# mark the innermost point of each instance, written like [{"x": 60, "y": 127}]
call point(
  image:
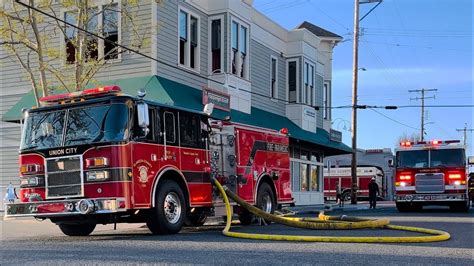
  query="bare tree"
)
[
  {"x": 408, "y": 137},
  {"x": 31, "y": 39}
]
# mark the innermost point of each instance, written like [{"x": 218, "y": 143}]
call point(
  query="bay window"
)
[
  {"x": 292, "y": 81},
  {"x": 273, "y": 77},
  {"x": 216, "y": 52},
  {"x": 308, "y": 95},
  {"x": 239, "y": 58}
]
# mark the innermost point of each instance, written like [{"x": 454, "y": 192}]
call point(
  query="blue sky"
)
[{"x": 406, "y": 45}]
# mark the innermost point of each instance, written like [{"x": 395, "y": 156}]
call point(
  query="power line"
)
[
  {"x": 328, "y": 16},
  {"x": 416, "y": 46},
  {"x": 150, "y": 57},
  {"x": 217, "y": 81},
  {"x": 419, "y": 30},
  {"x": 396, "y": 121}
]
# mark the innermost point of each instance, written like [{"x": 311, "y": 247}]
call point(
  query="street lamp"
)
[{"x": 344, "y": 123}]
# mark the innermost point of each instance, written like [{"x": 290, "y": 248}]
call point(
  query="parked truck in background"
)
[
  {"x": 431, "y": 173},
  {"x": 342, "y": 175}
]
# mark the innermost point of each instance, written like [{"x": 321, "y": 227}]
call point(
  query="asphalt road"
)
[{"x": 31, "y": 242}]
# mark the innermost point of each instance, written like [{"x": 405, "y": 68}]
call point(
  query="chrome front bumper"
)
[
  {"x": 65, "y": 207},
  {"x": 430, "y": 197}
]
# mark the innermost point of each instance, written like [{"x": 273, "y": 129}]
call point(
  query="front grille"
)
[
  {"x": 429, "y": 183},
  {"x": 64, "y": 177}
]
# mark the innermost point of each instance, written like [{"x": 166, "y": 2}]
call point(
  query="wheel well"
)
[
  {"x": 175, "y": 177},
  {"x": 269, "y": 181},
  {"x": 347, "y": 190}
]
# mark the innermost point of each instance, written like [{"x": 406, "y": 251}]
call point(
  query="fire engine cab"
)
[
  {"x": 99, "y": 157},
  {"x": 431, "y": 173}
]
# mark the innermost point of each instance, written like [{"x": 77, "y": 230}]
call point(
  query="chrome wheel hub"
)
[
  {"x": 172, "y": 207},
  {"x": 266, "y": 204}
]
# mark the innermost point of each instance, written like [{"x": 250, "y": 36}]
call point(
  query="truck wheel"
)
[
  {"x": 266, "y": 199},
  {"x": 245, "y": 217},
  {"x": 402, "y": 206},
  {"x": 460, "y": 207},
  {"x": 77, "y": 229},
  {"x": 168, "y": 215},
  {"x": 346, "y": 196}
]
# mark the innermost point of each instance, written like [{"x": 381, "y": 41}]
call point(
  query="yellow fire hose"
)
[{"x": 326, "y": 222}]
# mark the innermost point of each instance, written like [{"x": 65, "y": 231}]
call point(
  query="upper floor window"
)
[
  {"x": 326, "y": 100},
  {"x": 103, "y": 20},
  {"x": 308, "y": 91},
  {"x": 188, "y": 39},
  {"x": 292, "y": 86},
  {"x": 216, "y": 46},
  {"x": 273, "y": 77},
  {"x": 239, "y": 43}
]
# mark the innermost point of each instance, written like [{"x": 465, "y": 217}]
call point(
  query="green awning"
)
[
  {"x": 172, "y": 93},
  {"x": 261, "y": 118}
]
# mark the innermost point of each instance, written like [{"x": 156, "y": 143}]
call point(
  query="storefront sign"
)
[
  {"x": 335, "y": 135},
  {"x": 310, "y": 113},
  {"x": 220, "y": 100}
]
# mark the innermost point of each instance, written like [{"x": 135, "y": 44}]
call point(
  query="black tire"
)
[
  {"x": 195, "y": 219},
  {"x": 77, "y": 229},
  {"x": 266, "y": 199},
  {"x": 170, "y": 209},
  {"x": 246, "y": 217},
  {"x": 460, "y": 207},
  {"x": 403, "y": 207},
  {"x": 346, "y": 196}
]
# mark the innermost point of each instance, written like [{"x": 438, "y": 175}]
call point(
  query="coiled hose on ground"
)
[{"x": 325, "y": 222}]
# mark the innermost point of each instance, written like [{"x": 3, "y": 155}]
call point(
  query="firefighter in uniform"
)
[{"x": 373, "y": 192}]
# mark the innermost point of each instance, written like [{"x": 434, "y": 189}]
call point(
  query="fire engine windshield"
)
[
  {"x": 431, "y": 158},
  {"x": 75, "y": 126}
]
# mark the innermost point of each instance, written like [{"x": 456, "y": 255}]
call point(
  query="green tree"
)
[{"x": 31, "y": 39}]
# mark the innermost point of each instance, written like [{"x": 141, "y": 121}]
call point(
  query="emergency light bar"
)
[
  {"x": 433, "y": 142},
  {"x": 85, "y": 93}
]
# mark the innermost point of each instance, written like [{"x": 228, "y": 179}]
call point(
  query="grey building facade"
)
[{"x": 226, "y": 45}]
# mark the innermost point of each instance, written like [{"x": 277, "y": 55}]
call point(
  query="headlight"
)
[{"x": 97, "y": 175}]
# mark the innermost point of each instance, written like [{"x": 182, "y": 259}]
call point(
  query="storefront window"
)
[
  {"x": 314, "y": 178},
  {"x": 295, "y": 176},
  {"x": 304, "y": 176},
  {"x": 304, "y": 155}
]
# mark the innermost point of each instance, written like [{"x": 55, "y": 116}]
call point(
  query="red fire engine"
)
[
  {"x": 343, "y": 176},
  {"x": 431, "y": 173},
  {"x": 99, "y": 157}
]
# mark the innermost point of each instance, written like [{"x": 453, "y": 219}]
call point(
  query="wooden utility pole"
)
[
  {"x": 354, "y": 103},
  {"x": 422, "y": 98},
  {"x": 465, "y": 129}
]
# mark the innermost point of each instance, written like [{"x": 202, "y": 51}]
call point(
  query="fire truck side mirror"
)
[
  {"x": 470, "y": 160},
  {"x": 143, "y": 119}
]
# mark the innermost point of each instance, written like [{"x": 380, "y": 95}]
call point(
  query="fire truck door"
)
[{"x": 146, "y": 154}]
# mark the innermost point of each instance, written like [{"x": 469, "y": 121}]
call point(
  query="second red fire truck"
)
[
  {"x": 431, "y": 173},
  {"x": 100, "y": 157}
]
